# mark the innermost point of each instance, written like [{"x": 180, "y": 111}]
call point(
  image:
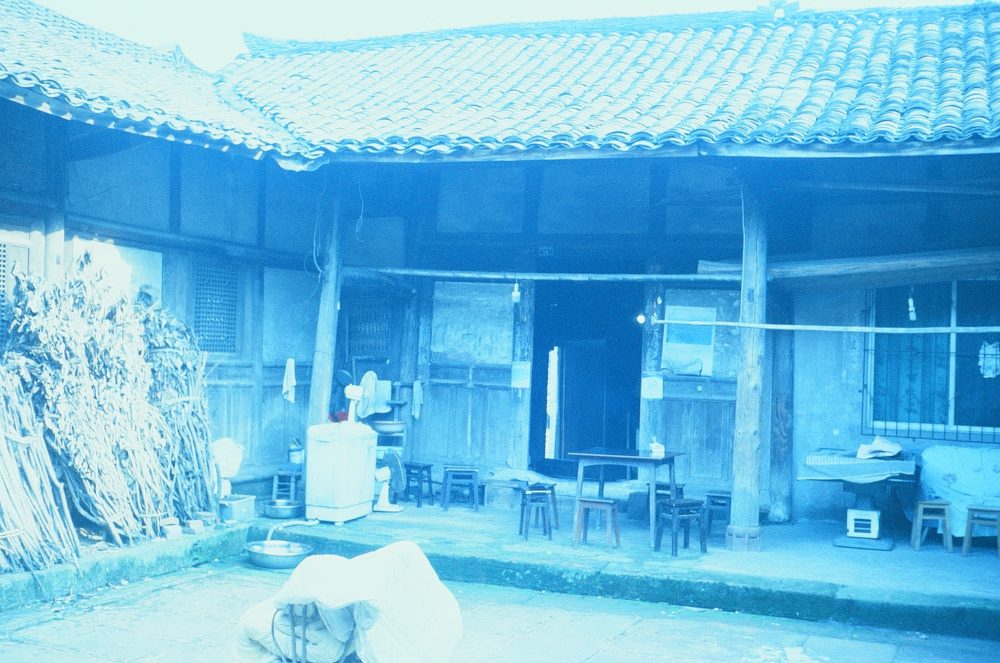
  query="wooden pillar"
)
[
  {"x": 743, "y": 532},
  {"x": 321, "y": 380},
  {"x": 651, "y": 404},
  {"x": 421, "y": 447},
  {"x": 524, "y": 344},
  {"x": 411, "y": 340},
  {"x": 782, "y": 360}
]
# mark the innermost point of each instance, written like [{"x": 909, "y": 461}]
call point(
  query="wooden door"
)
[
  {"x": 470, "y": 414},
  {"x": 701, "y": 424}
]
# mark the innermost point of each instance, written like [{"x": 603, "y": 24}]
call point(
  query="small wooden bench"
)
[
  {"x": 418, "y": 474},
  {"x": 934, "y": 510},
  {"x": 584, "y": 505},
  {"x": 984, "y": 516},
  {"x": 456, "y": 476},
  {"x": 678, "y": 514}
]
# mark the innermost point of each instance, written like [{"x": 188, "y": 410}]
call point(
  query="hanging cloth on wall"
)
[
  {"x": 418, "y": 399},
  {"x": 288, "y": 382},
  {"x": 989, "y": 360}
]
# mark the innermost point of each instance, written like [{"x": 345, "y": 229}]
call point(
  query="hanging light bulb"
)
[
  {"x": 515, "y": 294},
  {"x": 911, "y": 309}
]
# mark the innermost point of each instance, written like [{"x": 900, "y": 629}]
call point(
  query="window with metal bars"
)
[
  {"x": 216, "y": 307},
  {"x": 935, "y": 386},
  {"x": 369, "y": 328}
]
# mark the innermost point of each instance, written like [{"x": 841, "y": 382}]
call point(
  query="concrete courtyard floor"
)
[
  {"x": 798, "y": 572},
  {"x": 192, "y": 616}
]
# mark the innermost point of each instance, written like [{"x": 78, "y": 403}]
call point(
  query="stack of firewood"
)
[
  {"x": 36, "y": 530},
  {"x": 115, "y": 389}
]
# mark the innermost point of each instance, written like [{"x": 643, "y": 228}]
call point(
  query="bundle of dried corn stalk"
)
[
  {"x": 36, "y": 530},
  {"x": 178, "y": 390},
  {"x": 82, "y": 344}
]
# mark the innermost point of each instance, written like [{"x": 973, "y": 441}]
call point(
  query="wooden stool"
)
[
  {"x": 663, "y": 491},
  {"x": 550, "y": 488},
  {"x": 681, "y": 513},
  {"x": 985, "y": 516},
  {"x": 416, "y": 475},
  {"x": 720, "y": 501},
  {"x": 284, "y": 485},
  {"x": 537, "y": 502},
  {"x": 456, "y": 476},
  {"x": 584, "y": 505},
  {"x": 931, "y": 510}
]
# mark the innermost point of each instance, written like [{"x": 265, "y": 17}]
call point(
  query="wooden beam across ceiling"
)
[
  {"x": 870, "y": 271},
  {"x": 724, "y": 280},
  {"x": 973, "y": 189}
]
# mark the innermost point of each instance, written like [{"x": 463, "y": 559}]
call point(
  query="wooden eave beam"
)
[
  {"x": 978, "y": 190},
  {"x": 899, "y": 269},
  {"x": 362, "y": 277},
  {"x": 724, "y": 280}
]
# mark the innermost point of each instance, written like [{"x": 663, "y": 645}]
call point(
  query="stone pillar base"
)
[{"x": 743, "y": 539}]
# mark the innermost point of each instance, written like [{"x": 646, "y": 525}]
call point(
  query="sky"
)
[{"x": 210, "y": 31}]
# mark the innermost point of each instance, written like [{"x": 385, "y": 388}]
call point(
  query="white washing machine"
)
[{"x": 340, "y": 471}]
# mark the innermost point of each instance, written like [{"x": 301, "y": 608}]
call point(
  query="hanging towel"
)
[
  {"x": 418, "y": 399},
  {"x": 288, "y": 383}
]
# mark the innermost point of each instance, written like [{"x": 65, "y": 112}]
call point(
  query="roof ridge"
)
[
  {"x": 262, "y": 46},
  {"x": 34, "y": 12}
]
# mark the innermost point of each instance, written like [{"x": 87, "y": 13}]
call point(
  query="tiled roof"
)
[
  {"x": 819, "y": 79},
  {"x": 70, "y": 69},
  {"x": 814, "y": 80}
]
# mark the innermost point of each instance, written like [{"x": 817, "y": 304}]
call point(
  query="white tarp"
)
[
  {"x": 964, "y": 476},
  {"x": 400, "y": 610}
]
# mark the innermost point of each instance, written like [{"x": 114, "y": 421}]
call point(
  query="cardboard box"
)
[{"x": 237, "y": 507}]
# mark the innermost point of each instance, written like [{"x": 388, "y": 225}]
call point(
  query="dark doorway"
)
[{"x": 598, "y": 370}]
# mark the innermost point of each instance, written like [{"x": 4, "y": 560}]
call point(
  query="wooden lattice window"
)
[
  {"x": 216, "y": 307},
  {"x": 5, "y": 276},
  {"x": 11, "y": 256},
  {"x": 369, "y": 328}
]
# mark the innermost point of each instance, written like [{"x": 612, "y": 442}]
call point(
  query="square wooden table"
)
[{"x": 642, "y": 460}]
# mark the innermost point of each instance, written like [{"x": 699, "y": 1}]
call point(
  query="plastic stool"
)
[
  {"x": 682, "y": 513},
  {"x": 416, "y": 475},
  {"x": 985, "y": 516},
  {"x": 584, "y": 505},
  {"x": 938, "y": 510},
  {"x": 455, "y": 476},
  {"x": 535, "y": 502}
]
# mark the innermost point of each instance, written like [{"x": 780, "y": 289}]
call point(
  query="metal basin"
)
[
  {"x": 283, "y": 508},
  {"x": 277, "y": 554},
  {"x": 388, "y": 427}
]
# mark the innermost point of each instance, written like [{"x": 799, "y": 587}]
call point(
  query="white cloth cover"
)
[
  {"x": 401, "y": 611},
  {"x": 255, "y": 643},
  {"x": 288, "y": 382},
  {"x": 417, "y": 398},
  {"x": 228, "y": 455},
  {"x": 964, "y": 476}
]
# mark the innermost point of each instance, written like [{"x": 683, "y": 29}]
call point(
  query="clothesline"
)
[{"x": 859, "y": 329}]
